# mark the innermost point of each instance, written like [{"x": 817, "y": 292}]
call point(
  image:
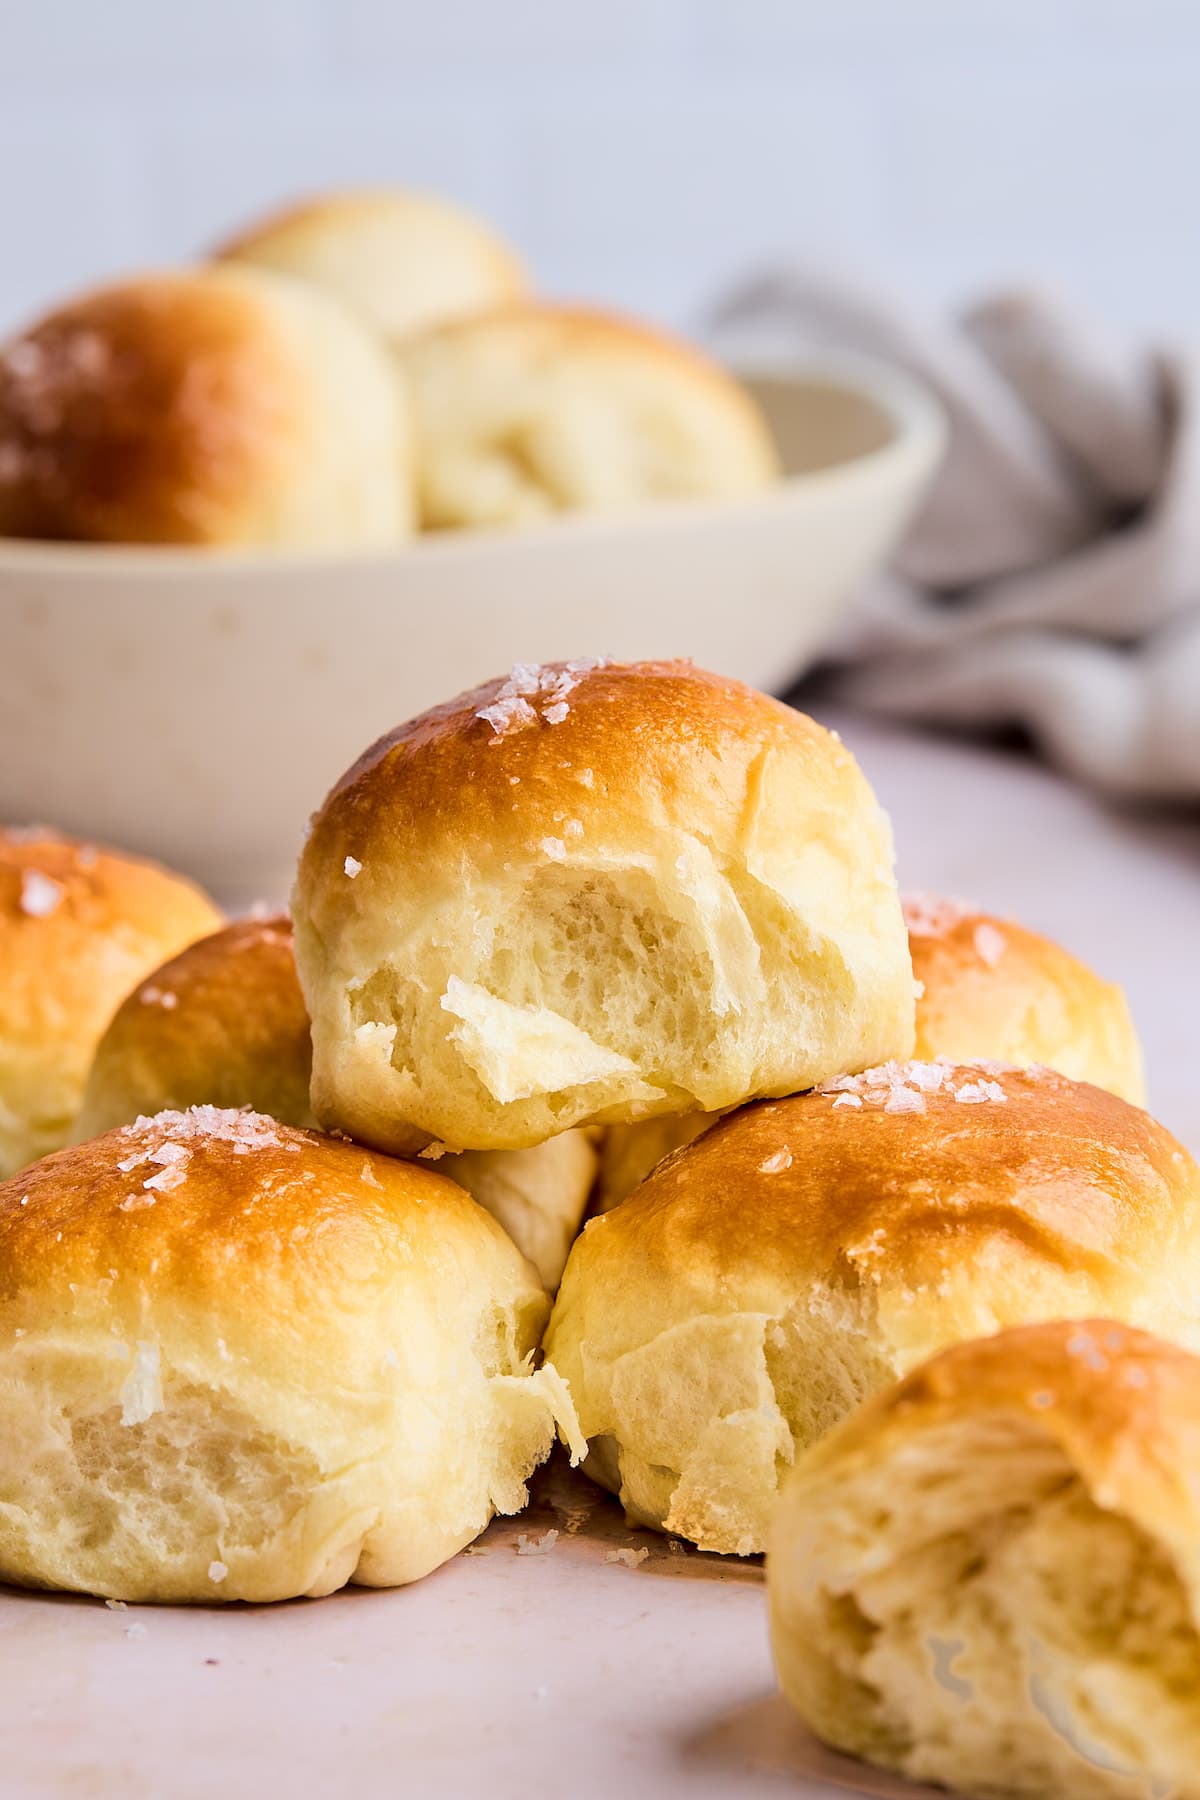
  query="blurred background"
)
[{"x": 640, "y": 151}]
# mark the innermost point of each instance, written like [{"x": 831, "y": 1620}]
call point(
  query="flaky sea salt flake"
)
[
  {"x": 508, "y": 714},
  {"x": 904, "y": 1100},
  {"x": 629, "y": 1559},
  {"x": 40, "y": 894},
  {"x": 990, "y": 944},
  {"x": 978, "y": 1093},
  {"x": 141, "y": 1395},
  {"x": 929, "y": 1077}
]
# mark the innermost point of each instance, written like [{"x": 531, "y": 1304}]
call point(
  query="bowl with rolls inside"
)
[
  {"x": 254, "y": 510},
  {"x": 600, "y": 1152}
]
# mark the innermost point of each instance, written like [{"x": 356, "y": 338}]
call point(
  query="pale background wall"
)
[{"x": 640, "y": 150}]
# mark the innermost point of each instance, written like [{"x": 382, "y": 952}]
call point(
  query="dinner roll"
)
[
  {"x": 594, "y": 892},
  {"x": 988, "y": 987},
  {"x": 534, "y": 410},
  {"x": 803, "y": 1253},
  {"x": 989, "y": 1576},
  {"x": 242, "y": 1362},
  {"x": 224, "y": 1024},
  {"x": 403, "y": 261},
  {"x": 78, "y": 927},
  {"x": 220, "y": 406},
  {"x": 985, "y": 988}
]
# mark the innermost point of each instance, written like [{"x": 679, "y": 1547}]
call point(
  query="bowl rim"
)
[{"x": 918, "y": 430}]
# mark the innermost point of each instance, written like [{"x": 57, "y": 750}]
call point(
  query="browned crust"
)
[{"x": 142, "y": 413}]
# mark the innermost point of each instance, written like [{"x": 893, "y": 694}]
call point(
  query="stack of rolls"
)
[
  {"x": 581, "y": 893},
  {"x": 343, "y": 373},
  {"x": 881, "y": 1309}
]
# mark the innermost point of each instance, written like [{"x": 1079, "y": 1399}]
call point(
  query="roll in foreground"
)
[
  {"x": 594, "y": 892},
  {"x": 989, "y": 1577},
  {"x": 240, "y": 1362},
  {"x": 803, "y": 1253}
]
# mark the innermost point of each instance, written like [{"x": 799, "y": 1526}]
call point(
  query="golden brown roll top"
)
[
  {"x": 989, "y": 1576},
  {"x": 213, "y": 407},
  {"x": 594, "y": 892},
  {"x": 79, "y": 926},
  {"x": 224, "y": 1024},
  {"x": 804, "y": 1252},
  {"x": 404, "y": 262},
  {"x": 533, "y": 410},
  {"x": 243, "y": 1362},
  {"x": 990, "y": 987}
]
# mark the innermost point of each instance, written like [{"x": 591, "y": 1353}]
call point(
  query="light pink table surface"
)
[{"x": 563, "y": 1673}]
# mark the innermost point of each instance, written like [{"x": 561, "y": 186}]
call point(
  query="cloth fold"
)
[{"x": 1052, "y": 580}]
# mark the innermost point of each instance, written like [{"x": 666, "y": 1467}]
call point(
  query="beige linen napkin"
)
[{"x": 1052, "y": 580}]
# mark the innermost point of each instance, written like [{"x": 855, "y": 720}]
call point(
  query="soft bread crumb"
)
[
  {"x": 531, "y": 1546},
  {"x": 548, "y": 1387},
  {"x": 517, "y": 1051}
]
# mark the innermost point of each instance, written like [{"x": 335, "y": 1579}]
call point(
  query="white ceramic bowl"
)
[{"x": 198, "y": 706}]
